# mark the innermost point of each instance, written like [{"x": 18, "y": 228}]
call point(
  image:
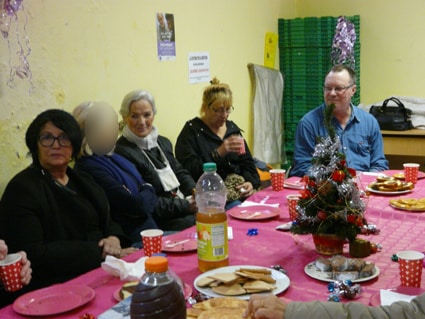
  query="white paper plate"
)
[
  {"x": 311, "y": 270},
  {"x": 294, "y": 185},
  {"x": 282, "y": 281},
  {"x": 388, "y": 193}
]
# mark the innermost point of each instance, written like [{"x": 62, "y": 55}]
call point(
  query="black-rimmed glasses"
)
[
  {"x": 337, "y": 89},
  {"x": 47, "y": 140}
]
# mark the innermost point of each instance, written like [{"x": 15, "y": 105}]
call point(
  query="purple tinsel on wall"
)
[{"x": 343, "y": 43}]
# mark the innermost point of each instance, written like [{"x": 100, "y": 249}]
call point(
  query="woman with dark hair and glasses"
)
[
  {"x": 212, "y": 137},
  {"x": 60, "y": 218}
]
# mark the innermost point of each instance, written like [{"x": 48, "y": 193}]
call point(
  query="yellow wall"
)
[
  {"x": 101, "y": 49},
  {"x": 392, "y": 43}
]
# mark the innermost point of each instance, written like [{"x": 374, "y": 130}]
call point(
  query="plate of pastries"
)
[
  {"x": 341, "y": 268},
  {"x": 389, "y": 185}
]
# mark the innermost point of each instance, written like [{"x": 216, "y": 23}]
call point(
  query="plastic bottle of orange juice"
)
[{"x": 211, "y": 220}]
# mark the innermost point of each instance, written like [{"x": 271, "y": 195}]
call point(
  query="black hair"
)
[{"x": 62, "y": 120}]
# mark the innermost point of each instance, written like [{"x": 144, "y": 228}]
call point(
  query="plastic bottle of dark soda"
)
[{"x": 158, "y": 295}]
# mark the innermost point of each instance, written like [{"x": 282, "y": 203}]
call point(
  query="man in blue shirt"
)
[{"x": 359, "y": 133}]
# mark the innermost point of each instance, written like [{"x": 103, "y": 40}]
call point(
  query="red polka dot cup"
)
[
  {"x": 410, "y": 265},
  {"x": 10, "y": 270},
  {"x": 152, "y": 241},
  {"x": 277, "y": 179},
  {"x": 292, "y": 206},
  {"x": 411, "y": 171}
]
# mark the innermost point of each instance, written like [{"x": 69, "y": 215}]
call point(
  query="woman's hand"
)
[
  {"x": 26, "y": 268},
  {"x": 127, "y": 251},
  {"x": 111, "y": 246},
  {"x": 26, "y": 265},
  {"x": 232, "y": 144},
  {"x": 3, "y": 249},
  {"x": 193, "y": 208},
  {"x": 265, "y": 307},
  {"x": 245, "y": 190}
]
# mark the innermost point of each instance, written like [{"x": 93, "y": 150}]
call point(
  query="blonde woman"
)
[{"x": 212, "y": 137}]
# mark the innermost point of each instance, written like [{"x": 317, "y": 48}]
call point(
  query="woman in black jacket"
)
[
  {"x": 213, "y": 138},
  {"x": 58, "y": 216},
  {"x": 154, "y": 159}
]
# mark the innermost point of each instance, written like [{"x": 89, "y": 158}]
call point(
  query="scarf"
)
[
  {"x": 144, "y": 143},
  {"x": 121, "y": 169}
]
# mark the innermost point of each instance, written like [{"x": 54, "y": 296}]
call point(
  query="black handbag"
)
[{"x": 392, "y": 118}]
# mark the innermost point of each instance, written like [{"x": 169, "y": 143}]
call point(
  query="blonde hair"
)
[{"x": 215, "y": 93}]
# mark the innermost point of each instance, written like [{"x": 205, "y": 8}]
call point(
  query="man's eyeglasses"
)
[
  {"x": 223, "y": 110},
  {"x": 337, "y": 89},
  {"x": 47, "y": 140}
]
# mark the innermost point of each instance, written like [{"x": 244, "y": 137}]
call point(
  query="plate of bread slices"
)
[
  {"x": 241, "y": 281},
  {"x": 388, "y": 185},
  {"x": 340, "y": 268}
]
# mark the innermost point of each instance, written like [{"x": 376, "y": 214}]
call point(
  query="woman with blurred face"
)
[{"x": 131, "y": 199}]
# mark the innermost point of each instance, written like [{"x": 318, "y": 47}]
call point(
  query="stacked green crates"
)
[{"x": 305, "y": 57}]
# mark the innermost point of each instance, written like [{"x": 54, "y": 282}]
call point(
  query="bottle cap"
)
[
  {"x": 156, "y": 264},
  {"x": 210, "y": 166}
]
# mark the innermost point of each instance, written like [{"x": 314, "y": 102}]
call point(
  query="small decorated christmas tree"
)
[{"x": 331, "y": 201}]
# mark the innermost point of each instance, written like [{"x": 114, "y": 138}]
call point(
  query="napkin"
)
[
  {"x": 126, "y": 271},
  {"x": 248, "y": 203},
  {"x": 388, "y": 297}
]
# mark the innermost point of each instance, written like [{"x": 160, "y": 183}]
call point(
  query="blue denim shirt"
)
[{"x": 361, "y": 141}]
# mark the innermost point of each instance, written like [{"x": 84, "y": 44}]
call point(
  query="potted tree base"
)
[{"x": 328, "y": 244}]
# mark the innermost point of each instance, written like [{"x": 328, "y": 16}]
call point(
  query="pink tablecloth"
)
[{"x": 399, "y": 230}]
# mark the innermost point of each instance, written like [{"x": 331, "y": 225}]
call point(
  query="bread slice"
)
[
  {"x": 255, "y": 270},
  {"x": 205, "y": 282},
  {"x": 256, "y": 276},
  {"x": 223, "y": 313},
  {"x": 193, "y": 313},
  {"x": 229, "y": 290},
  {"x": 225, "y": 278},
  {"x": 221, "y": 302},
  {"x": 257, "y": 286}
]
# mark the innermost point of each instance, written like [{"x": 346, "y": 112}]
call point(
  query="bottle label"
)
[{"x": 212, "y": 241}]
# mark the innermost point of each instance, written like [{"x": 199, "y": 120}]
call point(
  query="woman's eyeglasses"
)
[
  {"x": 223, "y": 110},
  {"x": 47, "y": 140}
]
